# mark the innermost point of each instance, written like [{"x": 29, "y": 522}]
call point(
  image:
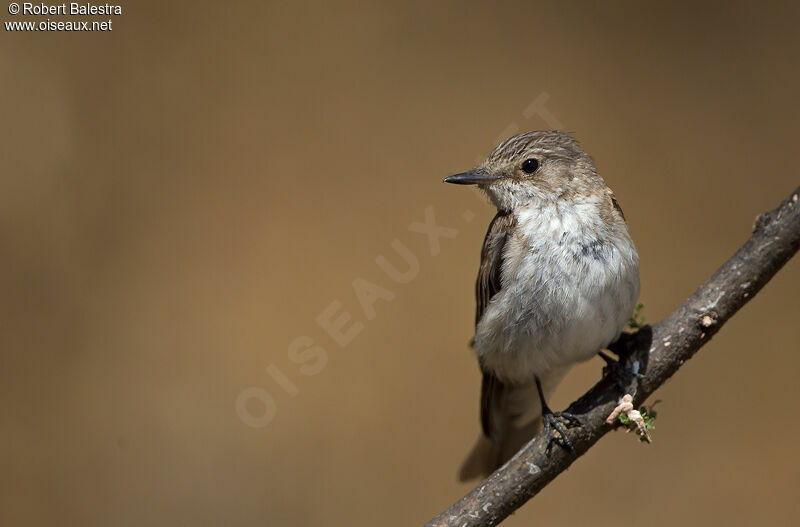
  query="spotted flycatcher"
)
[{"x": 557, "y": 282}]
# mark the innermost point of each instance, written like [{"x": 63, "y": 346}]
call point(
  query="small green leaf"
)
[
  {"x": 637, "y": 319},
  {"x": 649, "y": 417}
]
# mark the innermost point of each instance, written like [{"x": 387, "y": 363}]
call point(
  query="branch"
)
[{"x": 659, "y": 350}]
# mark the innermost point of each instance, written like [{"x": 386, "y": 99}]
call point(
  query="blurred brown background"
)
[{"x": 183, "y": 196}]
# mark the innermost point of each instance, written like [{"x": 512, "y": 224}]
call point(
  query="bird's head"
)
[{"x": 533, "y": 167}]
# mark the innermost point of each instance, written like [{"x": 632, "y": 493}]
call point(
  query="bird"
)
[{"x": 557, "y": 283}]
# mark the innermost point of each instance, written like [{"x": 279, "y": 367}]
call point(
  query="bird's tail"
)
[{"x": 512, "y": 416}]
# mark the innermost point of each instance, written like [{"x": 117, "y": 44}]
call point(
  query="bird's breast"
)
[{"x": 569, "y": 285}]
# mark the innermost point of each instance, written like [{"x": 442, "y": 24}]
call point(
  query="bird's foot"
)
[
  {"x": 616, "y": 369},
  {"x": 556, "y": 422},
  {"x": 559, "y": 422}
]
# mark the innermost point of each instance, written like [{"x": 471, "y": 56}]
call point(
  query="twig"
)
[{"x": 657, "y": 351}]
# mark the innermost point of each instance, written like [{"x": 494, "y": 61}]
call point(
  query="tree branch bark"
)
[{"x": 657, "y": 351}]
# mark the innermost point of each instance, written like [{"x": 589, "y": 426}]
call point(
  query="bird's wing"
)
[
  {"x": 488, "y": 283},
  {"x": 487, "y": 286},
  {"x": 615, "y": 203},
  {"x": 509, "y": 412}
]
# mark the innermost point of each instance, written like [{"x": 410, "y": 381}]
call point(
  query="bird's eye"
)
[{"x": 529, "y": 166}]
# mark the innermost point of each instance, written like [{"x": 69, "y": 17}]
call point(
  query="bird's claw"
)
[
  {"x": 555, "y": 422},
  {"x": 618, "y": 373}
]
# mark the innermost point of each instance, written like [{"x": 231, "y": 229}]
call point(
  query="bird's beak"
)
[{"x": 476, "y": 176}]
